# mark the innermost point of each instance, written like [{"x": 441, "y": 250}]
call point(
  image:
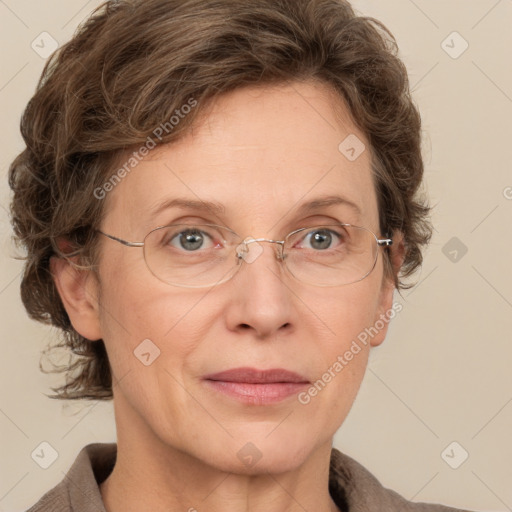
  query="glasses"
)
[{"x": 203, "y": 255}]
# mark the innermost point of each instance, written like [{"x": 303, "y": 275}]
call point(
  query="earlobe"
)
[
  {"x": 385, "y": 310},
  {"x": 78, "y": 290}
]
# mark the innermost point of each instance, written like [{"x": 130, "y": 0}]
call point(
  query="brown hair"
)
[{"x": 133, "y": 63}]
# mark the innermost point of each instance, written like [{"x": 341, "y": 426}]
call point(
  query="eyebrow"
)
[
  {"x": 188, "y": 204},
  {"x": 327, "y": 201},
  {"x": 218, "y": 208}
]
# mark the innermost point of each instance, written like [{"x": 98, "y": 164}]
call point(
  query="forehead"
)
[{"x": 257, "y": 152}]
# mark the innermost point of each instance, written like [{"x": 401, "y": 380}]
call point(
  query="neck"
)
[{"x": 153, "y": 475}]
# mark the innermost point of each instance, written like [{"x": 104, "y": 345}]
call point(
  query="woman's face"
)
[{"x": 261, "y": 154}]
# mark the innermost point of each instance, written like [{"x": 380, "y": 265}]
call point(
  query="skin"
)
[{"x": 261, "y": 152}]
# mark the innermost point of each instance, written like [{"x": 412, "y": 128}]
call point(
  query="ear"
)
[
  {"x": 78, "y": 290},
  {"x": 386, "y": 310}
]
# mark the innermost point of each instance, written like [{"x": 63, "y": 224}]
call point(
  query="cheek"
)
[
  {"x": 340, "y": 317},
  {"x": 343, "y": 313},
  {"x": 345, "y": 352},
  {"x": 138, "y": 318},
  {"x": 151, "y": 336}
]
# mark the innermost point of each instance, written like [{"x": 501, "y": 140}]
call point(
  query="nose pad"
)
[{"x": 250, "y": 250}]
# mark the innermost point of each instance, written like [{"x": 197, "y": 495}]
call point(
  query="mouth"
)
[{"x": 257, "y": 387}]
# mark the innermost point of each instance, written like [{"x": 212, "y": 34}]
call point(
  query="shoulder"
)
[
  {"x": 363, "y": 492},
  {"x": 55, "y": 500},
  {"x": 79, "y": 490}
]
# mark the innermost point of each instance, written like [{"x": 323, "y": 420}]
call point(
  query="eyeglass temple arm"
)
[
  {"x": 121, "y": 241},
  {"x": 386, "y": 242}
]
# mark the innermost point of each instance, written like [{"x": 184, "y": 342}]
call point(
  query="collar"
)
[{"x": 352, "y": 487}]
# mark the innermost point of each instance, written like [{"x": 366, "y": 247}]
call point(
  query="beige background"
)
[{"x": 442, "y": 375}]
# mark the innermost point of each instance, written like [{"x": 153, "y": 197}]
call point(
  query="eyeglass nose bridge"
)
[{"x": 244, "y": 253}]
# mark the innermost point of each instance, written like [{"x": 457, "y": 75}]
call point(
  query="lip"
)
[
  {"x": 255, "y": 376},
  {"x": 257, "y": 387}
]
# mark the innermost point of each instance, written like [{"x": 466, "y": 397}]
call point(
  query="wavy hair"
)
[{"x": 132, "y": 63}]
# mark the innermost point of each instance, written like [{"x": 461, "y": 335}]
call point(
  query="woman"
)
[{"x": 218, "y": 200}]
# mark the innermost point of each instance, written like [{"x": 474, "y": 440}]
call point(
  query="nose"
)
[{"x": 261, "y": 300}]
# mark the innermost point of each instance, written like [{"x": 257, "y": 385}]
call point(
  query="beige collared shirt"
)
[{"x": 351, "y": 486}]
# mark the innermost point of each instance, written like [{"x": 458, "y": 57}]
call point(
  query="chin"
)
[{"x": 252, "y": 455}]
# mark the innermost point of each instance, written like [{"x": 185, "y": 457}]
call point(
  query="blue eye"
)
[
  {"x": 322, "y": 239},
  {"x": 191, "y": 240}
]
